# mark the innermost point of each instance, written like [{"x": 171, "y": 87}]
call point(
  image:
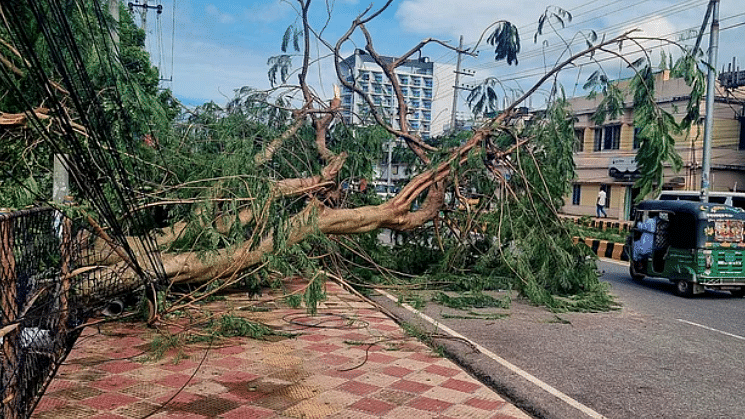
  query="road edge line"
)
[
  {"x": 712, "y": 329},
  {"x": 515, "y": 369}
]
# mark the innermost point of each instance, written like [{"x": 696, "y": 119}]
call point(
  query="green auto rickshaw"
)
[{"x": 695, "y": 245}]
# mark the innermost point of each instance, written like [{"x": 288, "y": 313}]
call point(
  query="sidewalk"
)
[{"x": 350, "y": 361}]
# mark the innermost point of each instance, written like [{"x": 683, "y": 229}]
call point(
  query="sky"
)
[{"x": 208, "y": 49}]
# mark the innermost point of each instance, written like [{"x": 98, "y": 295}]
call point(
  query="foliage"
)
[
  {"x": 483, "y": 99},
  {"x": 585, "y": 231},
  {"x": 507, "y": 241},
  {"x": 282, "y": 64},
  {"x": 506, "y": 42},
  {"x": 472, "y": 315},
  {"x": 232, "y": 326},
  {"x": 279, "y": 64},
  {"x": 126, "y": 89},
  {"x": 657, "y": 133},
  {"x": 658, "y": 128},
  {"x": 423, "y": 336},
  {"x": 502, "y": 184},
  {"x": 550, "y": 15},
  {"x": 474, "y": 299},
  {"x": 611, "y": 105},
  {"x": 226, "y": 326}
]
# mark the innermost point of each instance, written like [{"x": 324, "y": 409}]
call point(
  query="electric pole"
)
[
  {"x": 114, "y": 11},
  {"x": 143, "y": 13},
  {"x": 457, "y": 86},
  {"x": 710, "y": 91}
]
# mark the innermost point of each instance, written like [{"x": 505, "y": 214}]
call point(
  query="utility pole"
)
[
  {"x": 143, "y": 13},
  {"x": 709, "y": 118},
  {"x": 61, "y": 179},
  {"x": 114, "y": 11},
  {"x": 458, "y": 72},
  {"x": 388, "y": 188}
]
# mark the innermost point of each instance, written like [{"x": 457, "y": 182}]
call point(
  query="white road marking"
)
[
  {"x": 548, "y": 388},
  {"x": 618, "y": 262},
  {"x": 712, "y": 329}
]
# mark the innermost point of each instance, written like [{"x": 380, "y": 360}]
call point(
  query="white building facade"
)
[{"x": 426, "y": 86}]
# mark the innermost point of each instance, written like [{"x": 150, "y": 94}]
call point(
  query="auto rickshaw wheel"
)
[
  {"x": 738, "y": 293},
  {"x": 684, "y": 288},
  {"x": 636, "y": 276}
]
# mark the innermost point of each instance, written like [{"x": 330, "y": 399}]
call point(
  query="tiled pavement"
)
[{"x": 350, "y": 361}]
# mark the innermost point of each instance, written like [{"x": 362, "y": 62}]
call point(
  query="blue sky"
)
[{"x": 219, "y": 46}]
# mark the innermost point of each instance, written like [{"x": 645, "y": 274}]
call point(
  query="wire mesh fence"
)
[{"x": 53, "y": 278}]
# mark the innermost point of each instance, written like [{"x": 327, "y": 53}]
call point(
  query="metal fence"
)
[{"x": 48, "y": 290}]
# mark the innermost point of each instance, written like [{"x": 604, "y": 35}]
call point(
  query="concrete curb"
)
[{"x": 605, "y": 248}]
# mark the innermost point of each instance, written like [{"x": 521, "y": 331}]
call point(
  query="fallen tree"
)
[{"x": 239, "y": 186}]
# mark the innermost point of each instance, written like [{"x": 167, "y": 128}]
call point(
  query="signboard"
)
[{"x": 623, "y": 168}]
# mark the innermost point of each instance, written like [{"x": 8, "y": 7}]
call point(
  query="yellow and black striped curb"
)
[
  {"x": 601, "y": 223},
  {"x": 604, "y": 248}
]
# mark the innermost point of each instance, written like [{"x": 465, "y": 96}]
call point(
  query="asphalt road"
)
[{"x": 660, "y": 356}]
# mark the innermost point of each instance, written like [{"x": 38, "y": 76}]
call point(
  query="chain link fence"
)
[{"x": 53, "y": 278}]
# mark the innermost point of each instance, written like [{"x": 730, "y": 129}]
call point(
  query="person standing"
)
[{"x": 600, "y": 207}]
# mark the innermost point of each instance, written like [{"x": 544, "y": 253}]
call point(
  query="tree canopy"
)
[{"x": 262, "y": 188}]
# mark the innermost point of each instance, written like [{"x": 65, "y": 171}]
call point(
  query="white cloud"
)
[
  {"x": 268, "y": 12},
  {"x": 452, "y": 18},
  {"x": 221, "y": 17},
  {"x": 208, "y": 71}
]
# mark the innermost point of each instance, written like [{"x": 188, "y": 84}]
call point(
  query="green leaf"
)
[
  {"x": 286, "y": 38},
  {"x": 506, "y": 42},
  {"x": 638, "y": 63}
]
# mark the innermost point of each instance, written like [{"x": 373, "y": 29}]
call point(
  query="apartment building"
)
[
  {"x": 605, "y": 154},
  {"x": 427, "y": 88}
]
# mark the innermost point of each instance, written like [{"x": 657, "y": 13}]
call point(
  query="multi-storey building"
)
[
  {"x": 426, "y": 87},
  {"x": 605, "y": 154}
]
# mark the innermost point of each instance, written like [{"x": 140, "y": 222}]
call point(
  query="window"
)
[
  {"x": 607, "y": 138},
  {"x": 679, "y": 231},
  {"x": 742, "y": 133},
  {"x": 612, "y": 137},
  {"x": 403, "y": 79},
  {"x": 579, "y": 140},
  {"x": 576, "y": 194},
  {"x": 637, "y": 139}
]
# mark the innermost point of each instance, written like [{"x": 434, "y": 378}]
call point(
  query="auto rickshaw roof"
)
[{"x": 700, "y": 210}]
